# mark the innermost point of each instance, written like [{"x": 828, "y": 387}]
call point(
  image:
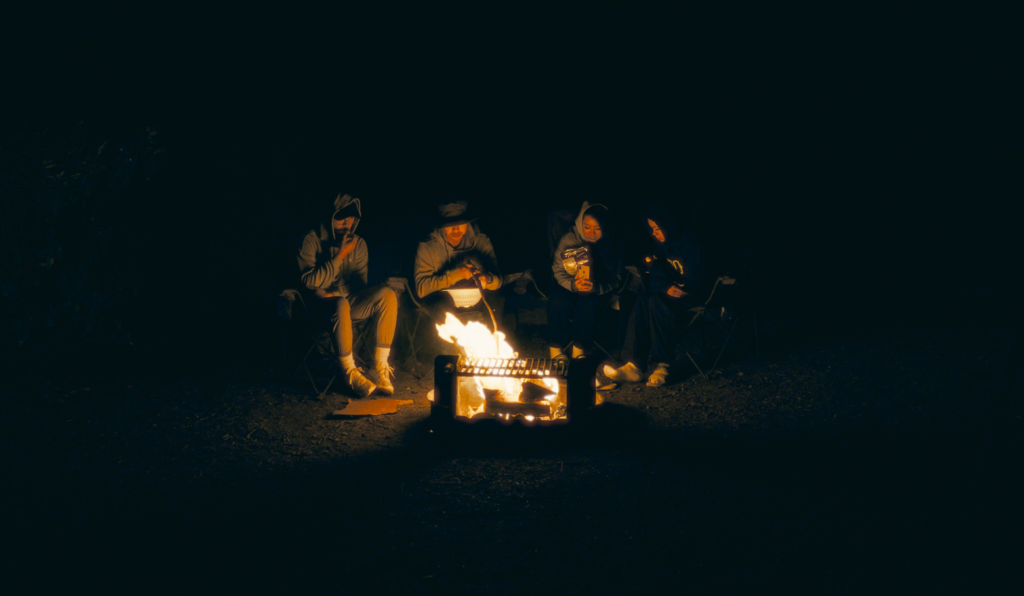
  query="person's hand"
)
[
  {"x": 677, "y": 291},
  {"x": 465, "y": 272},
  {"x": 346, "y": 248},
  {"x": 583, "y": 285},
  {"x": 482, "y": 278}
]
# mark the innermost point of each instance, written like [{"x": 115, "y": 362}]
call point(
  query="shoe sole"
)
[
  {"x": 620, "y": 378},
  {"x": 361, "y": 395}
]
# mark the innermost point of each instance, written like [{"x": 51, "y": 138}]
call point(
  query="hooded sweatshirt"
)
[
  {"x": 437, "y": 261},
  {"x": 316, "y": 257},
  {"x": 677, "y": 260},
  {"x": 607, "y": 266}
]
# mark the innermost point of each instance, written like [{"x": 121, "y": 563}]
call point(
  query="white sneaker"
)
[
  {"x": 383, "y": 377},
  {"x": 627, "y": 372},
  {"x": 359, "y": 384},
  {"x": 659, "y": 376}
]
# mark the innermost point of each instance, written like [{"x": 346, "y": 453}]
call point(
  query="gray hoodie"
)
[
  {"x": 607, "y": 263},
  {"x": 437, "y": 261},
  {"x": 316, "y": 257}
]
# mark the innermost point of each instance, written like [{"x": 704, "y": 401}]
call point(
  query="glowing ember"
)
[{"x": 475, "y": 340}]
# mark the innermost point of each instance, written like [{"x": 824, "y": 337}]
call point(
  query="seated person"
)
[
  {"x": 588, "y": 272},
  {"x": 457, "y": 255},
  {"x": 333, "y": 262},
  {"x": 660, "y": 313}
]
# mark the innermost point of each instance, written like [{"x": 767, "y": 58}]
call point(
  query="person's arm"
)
[
  {"x": 427, "y": 277},
  {"x": 687, "y": 256},
  {"x": 693, "y": 269},
  {"x": 660, "y": 281},
  {"x": 562, "y": 276},
  {"x": 492, "y": 279},
  {"x": 315, "y": 276}
]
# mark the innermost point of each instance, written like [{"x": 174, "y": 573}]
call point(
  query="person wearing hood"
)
[
  {"x": 588, "y": 274},
  {"x": 661, "y": 313},
  {"x": 333, "y": 263},
  {"x": 457, "y": 255}
]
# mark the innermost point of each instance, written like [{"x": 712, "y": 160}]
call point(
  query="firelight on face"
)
[
  {"x": 454, "y": 234},
  {"x": 656, "y": 231},
  {"x": 591, "y": 229},
  {"x": 345, "y": 224}
]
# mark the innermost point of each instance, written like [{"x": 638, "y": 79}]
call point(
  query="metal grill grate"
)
[{"x": 525, "y": 368}]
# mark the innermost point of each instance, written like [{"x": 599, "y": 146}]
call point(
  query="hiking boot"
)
[
  {"x": 627, "y": 372},
  {"x": 659, "y": 376},
  {"x": 383, "y": 376},
  {"x": 359, "y": 384}
]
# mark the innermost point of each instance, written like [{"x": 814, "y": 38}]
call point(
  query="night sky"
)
[{"x": 853, "y": 156}]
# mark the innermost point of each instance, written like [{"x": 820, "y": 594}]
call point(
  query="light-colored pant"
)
[{"x": 379, "y": 303}]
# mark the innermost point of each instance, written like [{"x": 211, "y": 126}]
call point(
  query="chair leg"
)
[
  {"x": 724, "y": 346},
  {"x": 323, "y": 393},
  {"x": 302, "y": 362},
  {"x": 358, "y": 342},
  {"x": 412, "y": 342},
  {"x": 603, "y": 350},
  {"x": 695, "y": 365}
]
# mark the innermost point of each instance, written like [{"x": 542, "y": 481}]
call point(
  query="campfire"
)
[{"x": 488, "y": 380}]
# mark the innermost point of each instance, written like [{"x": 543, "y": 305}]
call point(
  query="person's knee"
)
[
  {"x": 343, "y": 308},
  {"x": 389, "y": 298}
]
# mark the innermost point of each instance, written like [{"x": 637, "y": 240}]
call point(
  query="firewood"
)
[
  {"x": 494, "y": 406},
  {"x": 533, "y": 392}
]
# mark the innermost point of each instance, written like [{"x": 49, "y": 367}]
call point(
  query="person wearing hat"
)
[
  {"x": 333, "y": 263},
  {"x": 457, "y": 255}
]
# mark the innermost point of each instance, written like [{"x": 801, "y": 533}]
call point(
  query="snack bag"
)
[{"x": 577, "y": 261}]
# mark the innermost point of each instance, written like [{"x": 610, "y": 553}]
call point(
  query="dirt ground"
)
[{"x": 844, "y": 461}]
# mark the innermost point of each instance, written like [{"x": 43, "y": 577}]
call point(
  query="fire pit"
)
[
  {"x": 532, "y": 391},
  {"x": 489, "y": 381}
]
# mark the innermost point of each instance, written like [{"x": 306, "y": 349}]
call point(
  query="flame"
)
[{"x": 476, "y": 341}]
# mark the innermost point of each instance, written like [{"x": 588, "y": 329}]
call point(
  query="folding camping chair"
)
[
  {"x": 401, "y": 286},
  {"x": 716, "y": 326},
  {"x": 319, "y": 339}
]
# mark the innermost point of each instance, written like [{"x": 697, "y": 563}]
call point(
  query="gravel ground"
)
[{"x": 841, "y": 462}]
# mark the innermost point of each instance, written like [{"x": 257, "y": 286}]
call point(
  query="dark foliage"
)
[{"x": 67, "y": 274}]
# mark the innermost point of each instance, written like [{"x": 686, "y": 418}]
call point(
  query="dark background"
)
[{"x": 856, "y": 159}]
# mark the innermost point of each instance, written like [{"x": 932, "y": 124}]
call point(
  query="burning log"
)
[
  {"x": 532, "y": 393},
  {"x": 496, "y": 406}
]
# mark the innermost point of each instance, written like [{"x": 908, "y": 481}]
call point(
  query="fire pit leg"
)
[
  {"x": 445, "y": 388},
  {"x": 580, "y": 391}
]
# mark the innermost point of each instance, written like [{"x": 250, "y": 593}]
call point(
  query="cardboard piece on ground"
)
[{"x": 371, "y": 407}]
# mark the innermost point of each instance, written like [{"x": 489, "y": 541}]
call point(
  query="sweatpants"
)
[
  {"x": 379, "y": 303},
  {"x": 655, "y": 326}
]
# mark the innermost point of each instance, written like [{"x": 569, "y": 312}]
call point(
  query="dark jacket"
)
[
  {"x": 319, "y": 248},
  {"x": 607, "y": 267},
  {"x": 437, "y": 261},
  {"x": 677, "y": 260}
]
